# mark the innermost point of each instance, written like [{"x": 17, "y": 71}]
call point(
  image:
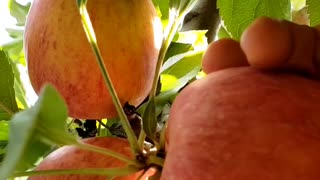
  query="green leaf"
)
[
  {"x": 177, "y": 48},
  {"x": 182, "y": 6},
  {"x": 168, "y": 82},
  {"x": 197, "y": 38},
  {"x": 15, "y": 32},
  {"x": 149, "y": 119},
  {"x": 223, "y": 33},
  {"x": 20, "y": 94},
  {"x": 314, "y": 13},
  {"x": 163, "y": 10},
  {"x": 180, "y": 51},
  {"x": 3, "y": 144},
  {"x": 15, "y": 50},
  {"x": 8, "y": 103},
  {"x": 19, "y": 11},
  {"x": 33, "y": 132},
  {"x": 4, "y": 131},
  {"x": 167, "y": 96},
  {"x": 298, "y": 4},
  {"x": 182, "y": 64},
  {"x": 238, "y": 14},
  {"x": 20, "y": 91}
]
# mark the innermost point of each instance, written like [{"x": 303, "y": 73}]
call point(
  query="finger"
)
[
  {"x": 302, "y": 57},
  {"x": 222, "y": 54},
  {"x": 266, "y": 43}
]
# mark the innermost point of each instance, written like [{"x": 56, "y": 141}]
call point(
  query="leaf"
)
[
  {"x": 149, "y": 119},
  {"x": 4, "y": 131},
  {"x": 163, "y": 10},
  {"x": 33, "y": 132},
  {"x": 19, "y": 11},
  {"x": 238, "y": 14},
  {"x": 3, "y": 144},
  {"x": 7, "y": 96},
  {"x": 298, "y": 4},
  {"x": 168, "y": 82},
  {"x": 177, "y": 48},
  {"x": 314, "y": 13},
  {"x": 198, "y": 43},
  {"x": 183, "y": 63},
  {"x": 20, "y": 94},
  {"x": 182, "y": 6},
  {"x": 20, "y": 91},
  {"x": 165, "y": 97},
  {"x": 196, "y": 38},
  {"x": 14, "y": 49},
  {"x": 15, "y": 32},
  {"x": 223, "y": 33}
]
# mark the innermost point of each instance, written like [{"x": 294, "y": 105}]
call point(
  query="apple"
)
[
  {"x": 129, "y": 34},
  {"x": 245, "y": 124},
  {"x": 71, "y": 157}
]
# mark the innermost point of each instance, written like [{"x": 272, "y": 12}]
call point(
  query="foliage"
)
[{"x": 181, "y": 64}]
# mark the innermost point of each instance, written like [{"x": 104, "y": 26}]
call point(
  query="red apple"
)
[
  {"x": 244, "y": 124},
  {"x": 71, "y": 157},
  {"x": 57, "y": 51}
]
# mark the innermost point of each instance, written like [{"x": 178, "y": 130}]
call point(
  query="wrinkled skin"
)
[
  {"x": 58, "y": 52},
  {"x": 244, "y": 124}
]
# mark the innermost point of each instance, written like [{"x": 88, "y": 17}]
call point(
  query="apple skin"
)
[
  {"x": 71, "y": 157},
  {"x": 129, "y": 35},
  {"x": 244, "y": 124}
]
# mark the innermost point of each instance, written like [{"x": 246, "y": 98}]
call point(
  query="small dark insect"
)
[{"x": 89, "y": 128}]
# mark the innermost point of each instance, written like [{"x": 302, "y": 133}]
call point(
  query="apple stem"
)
[
  {"x": 87, "y": 25},
  {"x": 171, "y": 30},
  {"x": 108, "y": 152},
  {"x": 154, "y": 160},
  {"x": 110, "y": 172},
  {"x": 163, "y": 50},
  {"x": 6, "y": 109},
  {"x": 142, "y": 137}
]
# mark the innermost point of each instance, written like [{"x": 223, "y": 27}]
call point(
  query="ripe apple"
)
[
  {"x": 57, "y": 51},
  {"x": 244, "y": 124},
  {"x": 71, "y": 157}
]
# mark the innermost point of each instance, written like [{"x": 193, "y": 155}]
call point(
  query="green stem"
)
[
  {"x": 163, "y": 137},
  {"x": 106, "y": 172},
  {"x": 108, "y": 152},
  {"x": 142, "y": 137},
  {"x": 154, "y": 160},
  {"x": 163, "y": 50},
  {"x": 86, "y": 22},
  {"x": 6, "y": 109}
]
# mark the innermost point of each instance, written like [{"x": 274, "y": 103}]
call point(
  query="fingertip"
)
[
  {"x": 223, "y": 54},
  {"x": 266, "y": 43}
]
